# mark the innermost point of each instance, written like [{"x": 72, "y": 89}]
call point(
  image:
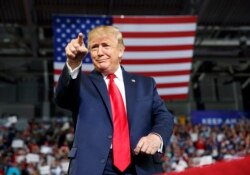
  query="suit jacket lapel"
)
[
  {"x": 99, "y": 83},
  {"x": 130, "y": 85},
  {"x": 130, "y": 92}
]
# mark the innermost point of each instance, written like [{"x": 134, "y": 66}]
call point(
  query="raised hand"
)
[{"x": 76, "y": 51}]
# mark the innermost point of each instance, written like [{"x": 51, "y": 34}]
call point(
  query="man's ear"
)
[{"x": 121, "y": 51}]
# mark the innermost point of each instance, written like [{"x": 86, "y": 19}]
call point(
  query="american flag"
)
[{"x": 156, "y": 46}]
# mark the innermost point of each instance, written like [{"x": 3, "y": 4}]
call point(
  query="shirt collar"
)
[{"x": 118, "y": 74}]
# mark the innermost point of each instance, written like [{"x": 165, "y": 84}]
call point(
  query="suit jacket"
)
[{"x": 88, "y": 99}]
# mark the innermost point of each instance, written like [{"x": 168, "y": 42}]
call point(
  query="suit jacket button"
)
[
  {"x": 103, "y": 161},
  {"x": 110, "y": 136}
]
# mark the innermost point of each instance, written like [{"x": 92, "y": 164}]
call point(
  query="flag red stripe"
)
[
  {"x": 171, "y": 85},
  {"x": 153, "y": 20},
  {"x": 170, "y": 73},
  {"x": 156, "y": 61},
  {"x": 159, "y": 48},
  {"x": 157, "y": 34},
  {"x": 174, "y": 97},
  {"x": 57, "y": 71}
]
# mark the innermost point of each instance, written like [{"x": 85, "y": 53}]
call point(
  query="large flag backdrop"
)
[{"x": 156, "y": 46}]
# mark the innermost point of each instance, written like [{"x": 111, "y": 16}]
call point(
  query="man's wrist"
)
[
  {"x": 73, "y": 72},
  {"x": 73, "y": 64}
]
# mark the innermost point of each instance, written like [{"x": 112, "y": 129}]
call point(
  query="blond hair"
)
[{"x": 107, "y": 30}]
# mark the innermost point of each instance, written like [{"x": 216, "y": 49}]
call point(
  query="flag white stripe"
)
[
  {"x": 158, "y": 54},
  {"x": 159, "y": 41},
  {"x": 158, "y": 67},
  {"x": 156, "y": 27},
  {"x": 172, "y": 79},
  {"x": 56, "y": 77},
  {"x": 58, "y": 65},
  {"x": 171, "y": 91}
]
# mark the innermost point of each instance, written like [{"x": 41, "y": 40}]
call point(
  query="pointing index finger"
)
[{"x": 80, "y": 39}]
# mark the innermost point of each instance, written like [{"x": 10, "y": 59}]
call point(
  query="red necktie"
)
[{"x": 121, "y": 143}]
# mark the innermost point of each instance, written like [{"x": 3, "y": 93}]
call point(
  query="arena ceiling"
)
[{"x": 210, "y": 12}]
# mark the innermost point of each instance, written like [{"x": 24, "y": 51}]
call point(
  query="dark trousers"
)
[{"x": 110, "y": 169}]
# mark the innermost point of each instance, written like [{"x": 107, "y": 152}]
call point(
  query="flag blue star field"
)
[{"x": 156, "y": 46}]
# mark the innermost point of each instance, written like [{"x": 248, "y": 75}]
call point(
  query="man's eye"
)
[
  {"x": 94, "y": 46},
  {"x": 105, "y": 45}
]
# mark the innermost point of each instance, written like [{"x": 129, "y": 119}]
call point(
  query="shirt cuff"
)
[
  {"x": 160, "y": 150},
  {"x": 73, "y": 73}
]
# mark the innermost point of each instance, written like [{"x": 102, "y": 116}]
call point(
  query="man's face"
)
[{"x": 105, "y": 53}]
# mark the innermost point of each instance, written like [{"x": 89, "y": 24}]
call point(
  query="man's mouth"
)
[{"x": 101, "y": 60}]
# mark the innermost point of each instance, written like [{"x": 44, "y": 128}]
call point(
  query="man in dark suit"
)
[{"x": 149, "y": 125}]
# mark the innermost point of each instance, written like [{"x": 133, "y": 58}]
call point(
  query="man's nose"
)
[{"x": 99, "y": 51}]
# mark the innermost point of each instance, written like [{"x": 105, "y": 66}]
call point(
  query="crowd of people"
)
[
  {"x": 197, "y": 145},
  {"x": 42, "y": 147}
]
